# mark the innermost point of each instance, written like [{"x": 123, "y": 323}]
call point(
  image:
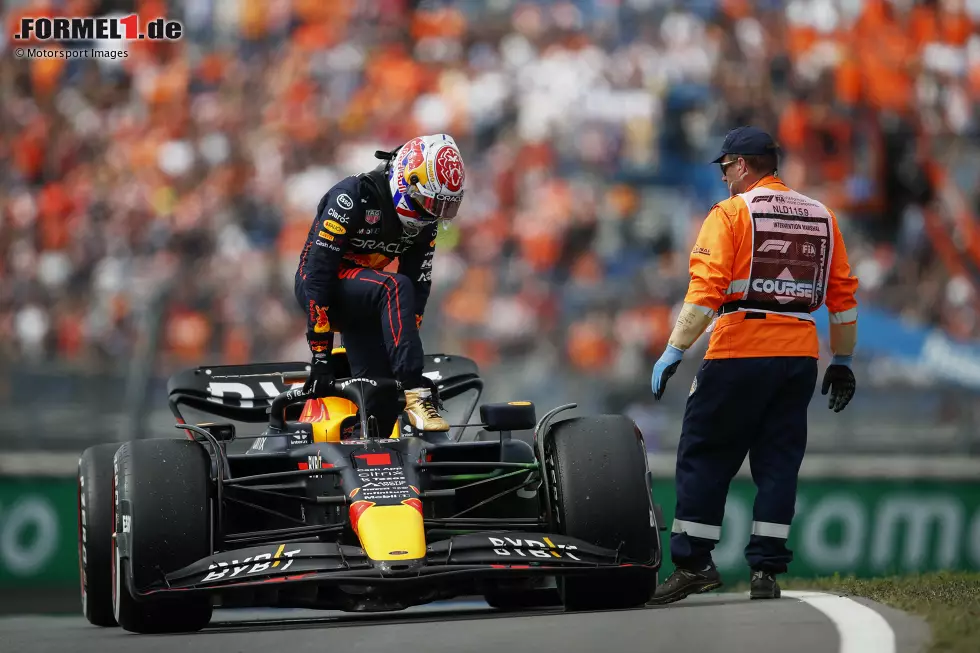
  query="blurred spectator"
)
[{"x": 586, "y": 125}]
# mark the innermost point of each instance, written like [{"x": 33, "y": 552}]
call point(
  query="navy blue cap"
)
[{"x": 747, "y": 140}]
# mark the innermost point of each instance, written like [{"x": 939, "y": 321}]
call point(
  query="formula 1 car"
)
[{"x": 338, "y": 507}]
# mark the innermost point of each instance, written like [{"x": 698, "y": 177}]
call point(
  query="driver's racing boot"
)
[{"x": 420, "y": 406}]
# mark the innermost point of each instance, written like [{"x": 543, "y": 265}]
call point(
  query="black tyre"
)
[
  {"x": 163, "y": 514},
  {"x": 95, "y": 533},
  {"x": 598, "y": 467}
]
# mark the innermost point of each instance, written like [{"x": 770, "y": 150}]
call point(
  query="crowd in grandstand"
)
[{"x": 586, "y": 127}]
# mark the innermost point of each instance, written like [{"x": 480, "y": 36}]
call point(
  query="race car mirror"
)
[{"x": 511, "y": 416}]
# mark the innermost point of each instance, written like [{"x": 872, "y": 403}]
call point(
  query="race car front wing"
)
[{"x": 488, "y": 553}]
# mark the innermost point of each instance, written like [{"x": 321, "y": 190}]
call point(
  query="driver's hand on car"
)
[{"x": 321, "y": 376}]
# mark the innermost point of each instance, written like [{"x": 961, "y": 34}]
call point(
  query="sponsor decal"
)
[
  {"x": 449, "y": 169},
  {"x": 318, "y": 315},
  {"x": 425, "y": 277},
  {"x": 334, "y": 227},
  {"x": 251, "y": 565},
  {"x": 340, "y": 217},
  {"x": 372, "y": 216},
  {"x": 382, "y": 483},
  {"x": 325, "y": 235},
  {"x": 781, "y": 246},
  {"x": 701, "y": 250},
  {"x": 808, "y": 249},
  {"x": 315, "y": 462},
  {"x": 359, "y": 379},
  {"x": 544, "y": 548},
  {"x": 378, "y": 244},
  {"x": 219, "y": 391},
  {"x": 318, "y": 346},
  {"x": 300, "y": 438},
  {"x": 411, "y": 160},
  {"x": 345, "y": 202}
]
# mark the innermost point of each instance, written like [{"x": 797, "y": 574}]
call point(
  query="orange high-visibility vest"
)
[{"x": 765, "y": 260}]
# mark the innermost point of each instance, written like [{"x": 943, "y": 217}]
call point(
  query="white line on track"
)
[{"x": 861, "y": 629}]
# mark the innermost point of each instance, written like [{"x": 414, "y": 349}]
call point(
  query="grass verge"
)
[{"x": 950, "y": 602}]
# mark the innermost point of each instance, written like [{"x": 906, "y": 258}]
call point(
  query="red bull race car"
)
[{"x": 327, "y": 510}]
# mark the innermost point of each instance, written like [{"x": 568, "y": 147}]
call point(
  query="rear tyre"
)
[
  {"x": 95, "y": 533},
  {"x": 162, "y": 512},
  {"x": 598, "y": 468}
]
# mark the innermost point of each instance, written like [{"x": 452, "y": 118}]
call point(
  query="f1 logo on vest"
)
[{"x": 781, "y": 246}]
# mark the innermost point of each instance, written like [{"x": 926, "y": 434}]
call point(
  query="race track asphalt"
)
[{"x": 725, "y": 623}]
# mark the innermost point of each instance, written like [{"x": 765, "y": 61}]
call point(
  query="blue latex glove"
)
[{"x": 664, "y": 369}]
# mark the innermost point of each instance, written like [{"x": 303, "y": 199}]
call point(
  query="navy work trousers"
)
[
  {"x": 375, "y": 313},
  {"x": 738, "y": 407}
]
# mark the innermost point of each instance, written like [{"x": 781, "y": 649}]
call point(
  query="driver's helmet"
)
[{"x": 426, "y": 177}]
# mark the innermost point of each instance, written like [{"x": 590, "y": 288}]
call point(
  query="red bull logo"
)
[
  {"x": 412, "y": 158},
  {"x": 318, "y": 315}
]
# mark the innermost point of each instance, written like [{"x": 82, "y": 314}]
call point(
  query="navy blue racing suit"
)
[{"x": 342, "y": 286}]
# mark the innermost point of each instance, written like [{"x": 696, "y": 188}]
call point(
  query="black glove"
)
[
  {"x": 839, "y": 379},
  {"x": 321, "y": 376}
]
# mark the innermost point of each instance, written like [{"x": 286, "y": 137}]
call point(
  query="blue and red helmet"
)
[{"x": 427, "y": 179}]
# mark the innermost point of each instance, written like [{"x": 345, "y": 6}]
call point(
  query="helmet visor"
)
[{"x": 436, "y": 206}]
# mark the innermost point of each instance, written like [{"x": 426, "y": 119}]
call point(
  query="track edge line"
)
[{"x": 861, "y": 629}]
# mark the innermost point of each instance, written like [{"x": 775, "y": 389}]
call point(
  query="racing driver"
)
[{"x": 364, "y": 223}]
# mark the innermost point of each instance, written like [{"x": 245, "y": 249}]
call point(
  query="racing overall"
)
[
  {"x": 765, "y": 260},
  {"x": 342, "y": 285}
]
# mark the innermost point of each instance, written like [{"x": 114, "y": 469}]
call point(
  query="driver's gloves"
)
[{"x": 321, "y": 376}]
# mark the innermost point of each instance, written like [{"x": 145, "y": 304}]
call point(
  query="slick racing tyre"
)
[
  {"x": 597, "y": 465},
  {"x": 95, "y": 533},
  {"x": 163, "y": 519}
]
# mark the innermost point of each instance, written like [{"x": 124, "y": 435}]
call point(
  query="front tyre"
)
[
  {"x": 95, "y": 527},
  {"x": 163, "y": 515},
  {"x": 598, "y": 468}
]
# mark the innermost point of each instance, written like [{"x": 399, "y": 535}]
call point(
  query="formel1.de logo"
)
[{"x": 112, "y": 28}]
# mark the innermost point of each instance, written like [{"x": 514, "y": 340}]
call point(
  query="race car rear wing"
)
[{"x": 245, "y": 393}]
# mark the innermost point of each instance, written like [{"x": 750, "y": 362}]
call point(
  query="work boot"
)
[
  {"x": 764, "y": 585},
  {"x": 684, "y": 582},
  {"x": 420, "y": 406}
]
